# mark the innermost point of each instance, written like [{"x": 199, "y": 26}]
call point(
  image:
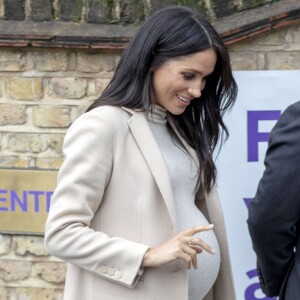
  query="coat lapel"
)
[{"x": 142, "y": 134}]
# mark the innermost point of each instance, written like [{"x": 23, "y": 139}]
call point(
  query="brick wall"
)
[
  {"x": 42, "y": 91},
  {"x": 277, "y": 50},
  {"x": 114, "y": 11},
  {"x": 27, "y": 271}
]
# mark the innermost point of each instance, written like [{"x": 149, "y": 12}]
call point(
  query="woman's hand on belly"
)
[{"x": 181, "y": 246}]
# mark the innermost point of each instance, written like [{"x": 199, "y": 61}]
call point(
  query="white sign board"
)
[{"x": 262, "y": 97}]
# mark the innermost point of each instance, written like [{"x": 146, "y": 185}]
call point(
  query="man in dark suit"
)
[{"x": 274, "y": 213}]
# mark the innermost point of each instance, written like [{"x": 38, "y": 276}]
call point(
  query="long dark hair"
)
[{"x": 172, "y": 32}]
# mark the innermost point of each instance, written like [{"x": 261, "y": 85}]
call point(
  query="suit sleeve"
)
[
  {"x": 85, "y": 173},
  {"x": 274, "y": 211}
]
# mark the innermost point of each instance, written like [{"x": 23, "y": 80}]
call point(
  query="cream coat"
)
[{"x": 114, "y": 200}]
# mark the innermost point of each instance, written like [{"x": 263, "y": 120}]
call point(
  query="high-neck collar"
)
[{"x": 157, "y": 114}]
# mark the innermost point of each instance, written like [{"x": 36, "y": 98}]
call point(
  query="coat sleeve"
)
[
  {"x": 85, "y": 173},
  {"x": 274, "y": 211}
]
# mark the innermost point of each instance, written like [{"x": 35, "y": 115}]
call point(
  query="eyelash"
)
[{"x": 188, "y": 76}]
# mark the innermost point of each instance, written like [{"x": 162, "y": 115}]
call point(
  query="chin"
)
[{"x": 177, "y": 112}]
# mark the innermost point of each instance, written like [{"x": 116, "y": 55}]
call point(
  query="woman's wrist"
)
[{"x": 146, "y": 262}]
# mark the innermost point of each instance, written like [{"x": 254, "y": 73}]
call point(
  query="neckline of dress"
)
[{"x": 157, "y": 114}]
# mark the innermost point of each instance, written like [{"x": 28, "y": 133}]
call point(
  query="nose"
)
[{"x": 195, "y": 92}]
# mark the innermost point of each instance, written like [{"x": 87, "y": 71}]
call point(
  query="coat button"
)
[
  {"x": 111, "y": 271},
  {"x": 103, "y": 269},
  {"x": 118, "y": 274}
]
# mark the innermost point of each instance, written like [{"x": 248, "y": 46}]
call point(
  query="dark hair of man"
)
[{"x": 170, "y": 33}]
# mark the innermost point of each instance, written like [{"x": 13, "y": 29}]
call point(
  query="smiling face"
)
[{"x": 180, "y": 80}]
